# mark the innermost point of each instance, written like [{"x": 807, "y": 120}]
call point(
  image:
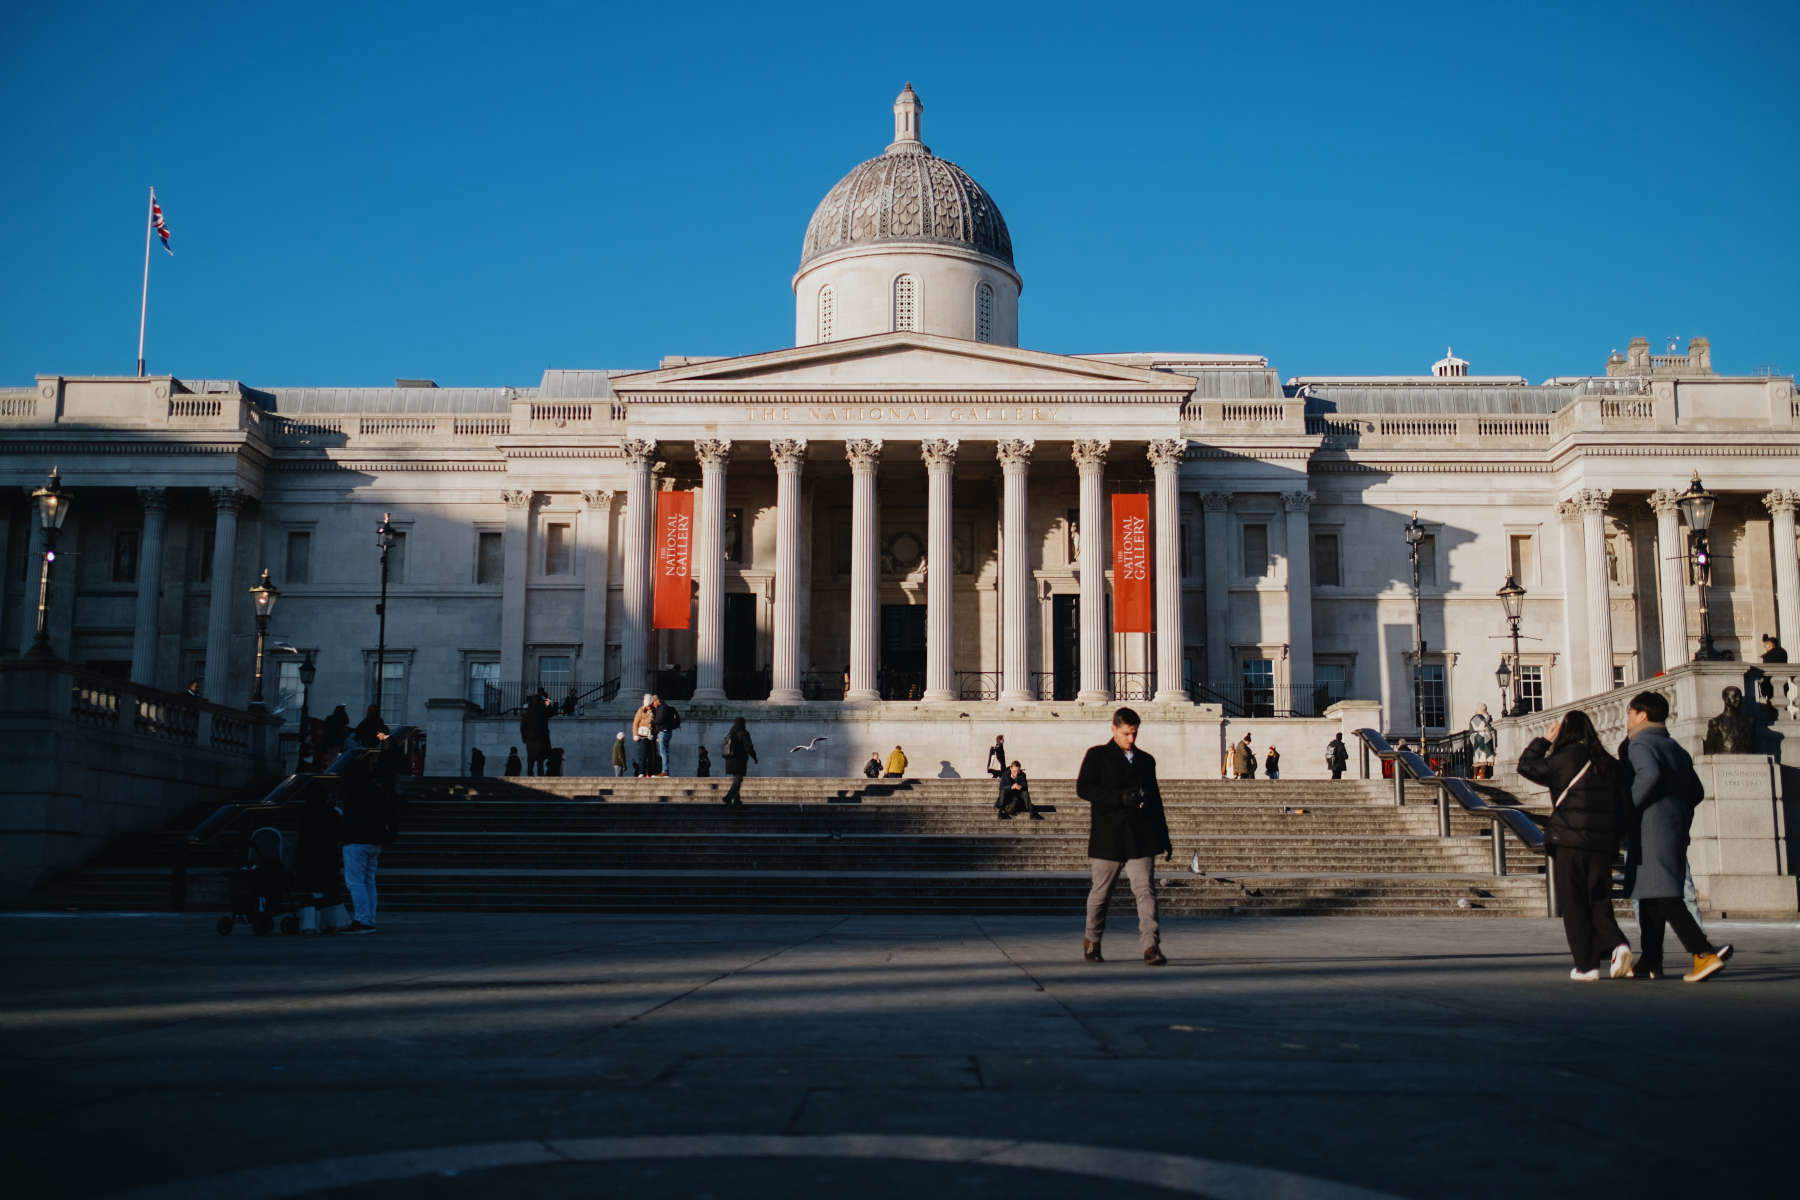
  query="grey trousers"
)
[{"x": 1142, "y": 874}]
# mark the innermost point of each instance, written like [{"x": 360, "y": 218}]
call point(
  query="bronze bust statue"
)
[{"x": 1732, "y": 731}]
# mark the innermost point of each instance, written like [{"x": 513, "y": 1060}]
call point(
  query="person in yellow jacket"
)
[{"x": 896, "y": 763}]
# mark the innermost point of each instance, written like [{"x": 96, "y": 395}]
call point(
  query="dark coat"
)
[
  {"x": 739, "y": 752},
  {"x": 318, "y": 859},
  {"x": 1590, "y": 817},
  {"x": 1664, "y": 791},
  {"x": 996, "y": 760},
  {"x": 1126, "y": 820},
  {"x": 336, "y": 728},
  {"x": 369, "y": 806},
  {"x": 1010, "y": 800},
  {"x": 365, "y": 732},
  {"x": 1337, "y": 755},
  {"x": 665, "y": 719},
  {"x": 534, "y": 727}
]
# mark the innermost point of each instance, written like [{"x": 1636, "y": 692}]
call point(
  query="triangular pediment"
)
[{"x": 904, "y": 361}]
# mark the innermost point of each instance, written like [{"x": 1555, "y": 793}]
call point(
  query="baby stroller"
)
[{"x": 259, "y": 887}]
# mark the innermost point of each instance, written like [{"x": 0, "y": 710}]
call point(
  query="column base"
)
[
  {"x": 938, "y": 695},
  {"x": 1016, "y": 696},
  {"x": 1170, "y": 696},
  {"x": 861, "y": 696},
  {"x": 1093, "y": 696},
  {"x": 786, "y": 696},
  {"x": 708, "y": 694}
]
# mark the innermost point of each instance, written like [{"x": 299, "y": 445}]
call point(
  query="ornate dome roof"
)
[{"x": 907, "y": 195}]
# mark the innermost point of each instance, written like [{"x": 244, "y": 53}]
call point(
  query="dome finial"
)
[{"x": 908, "y": 109}]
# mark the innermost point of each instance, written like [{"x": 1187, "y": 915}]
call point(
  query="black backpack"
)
[{"x": 674, "y": 717}]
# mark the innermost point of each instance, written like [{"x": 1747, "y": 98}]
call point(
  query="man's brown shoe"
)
[
  {"x": 1153, "y": 957},
  {"x": 1705, "y": 965},
  {"x": 1091, "y": 951}
]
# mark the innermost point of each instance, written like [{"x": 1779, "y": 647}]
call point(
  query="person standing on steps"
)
[
  {"x": 368, "y": 829},
  {"x": 702, "y": 763},
  {"x": 513, "y": 765},
  {"x": 664, "y": 722},
  {"x": 896, "y": 763},
  {"x": 1337, "y": 756},
  {"x": 534, "y": 731},
  {"x": 618, "y": 753},
  {"x": 1249, "y": 758},
  {"x": 1664, "y": 791},
  {"x": 1272, "y": 764},
  {"x": 336, "y": 732},
  {"x": 739, "y": 752},
  {"x": 643, "y": 730},
  {"x": 872, "y": 768},
  {"x": 1126, "y": 831},
  {"x": 996, "y": 759},
  {"x": 1582, "y": 840}
]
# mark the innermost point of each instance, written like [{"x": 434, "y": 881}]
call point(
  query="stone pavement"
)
[{"x": 891, "y": 1056}]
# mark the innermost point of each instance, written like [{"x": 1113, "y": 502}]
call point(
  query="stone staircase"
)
[{"x": 853, "y": 845}]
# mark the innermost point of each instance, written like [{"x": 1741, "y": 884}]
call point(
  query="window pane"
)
[
  {"x": 125, "y": 556},
  {"x": 1431, "y": 692},
  {"x": 1325, "y": 560},
  {"x": 1428, "y": 569},
  {"x": 481, "y": 674},
  {"x": 556, "y": 549},
  {"x": 1258, "y": 675},
  {"x": 1531, "y": 688},
  {"x": 1332, "y": 682},
  {"x": 299, "y": 557},
  {"x": 555, "y": 673},
  {"x": 393, "y": 691},
  {"x": 287, "y": 690},
  {"x": 489, "y": 558},
  {"x": 1256, "y": 551}
]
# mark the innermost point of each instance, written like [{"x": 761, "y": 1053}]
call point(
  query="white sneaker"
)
[
  {"x": 1591, "y": 976},
  {"x": 1622, "y": 959}
]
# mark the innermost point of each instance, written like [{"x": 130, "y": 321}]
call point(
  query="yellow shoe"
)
[{"x": 1704, "y": 965}]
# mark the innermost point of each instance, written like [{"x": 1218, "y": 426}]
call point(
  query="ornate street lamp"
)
[
  {"x": 1503, "y": 676},
  {"x": 1696, "y": 505},
  {"x": 1415, "y": 536},
  {"x": 265, "y": 594},
  {"x": 386, "y": 537},
  {"x": 52, "y": 509},
  {"x": 1512, "y": 601}
]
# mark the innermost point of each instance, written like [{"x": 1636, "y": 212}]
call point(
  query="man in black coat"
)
[{"x": 1126, "y": 832}]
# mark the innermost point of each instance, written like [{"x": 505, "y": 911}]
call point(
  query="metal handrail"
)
[{"x": 1408, "y": 762}]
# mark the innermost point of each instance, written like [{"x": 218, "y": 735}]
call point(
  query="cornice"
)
[{"x": 392, "y": 465}]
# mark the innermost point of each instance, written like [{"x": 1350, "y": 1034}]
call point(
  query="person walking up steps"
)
[
  {"x": 739, "y": 752},
  {"x": 1664, "y": 791},
  {"x": 1582, "y": 841},
  {"x": 1126, "y": 831}
]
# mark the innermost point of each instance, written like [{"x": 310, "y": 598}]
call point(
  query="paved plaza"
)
[{"x": 745, "y": 1056}]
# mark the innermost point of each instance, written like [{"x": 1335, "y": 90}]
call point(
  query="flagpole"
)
[{"x": 144, "y": 304}]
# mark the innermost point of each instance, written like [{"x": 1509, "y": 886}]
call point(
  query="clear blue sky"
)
[{"x": 474, "y": 192}]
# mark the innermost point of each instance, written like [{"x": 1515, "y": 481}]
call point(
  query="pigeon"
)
[{"x": 812, "y": 745}]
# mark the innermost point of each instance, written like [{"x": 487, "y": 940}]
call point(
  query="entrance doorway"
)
[
  {"x": 743, "y": 681},
  {"x": 902, "y": 675},
  {"x": 1065, "y": 646}
]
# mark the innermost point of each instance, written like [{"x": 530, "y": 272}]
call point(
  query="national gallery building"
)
[{"x": 907, "y": 528}]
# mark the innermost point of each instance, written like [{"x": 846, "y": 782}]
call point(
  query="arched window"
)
[
  {"x": 984, "y": 313},
  {"x": 825, "y": 307},
  {"x": 906, "y": 303}
]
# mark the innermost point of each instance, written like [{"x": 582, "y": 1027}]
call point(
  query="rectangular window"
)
[
  {"x": 1531, "y": 689},
  {"x": 299, "y": 557},
  {"x": 1331, "y": 683},
  {"x": 1522, "y": 557},
  {"x": 734, "y": 535},
  {"x": 556, "y": 548},
  {"x": 1432, "y": 698},
  {"x": 482, "y": 675},
  {"x": 201, "y": 550},
  {"x": 288, "y": 689},
  {"x": 1258, "y": 679},
  {"x": 1618, "y": 679},
  {"x": 1326, "y": 569},
  {"x": 490, "y": 560},
  {"x": 125, "y": 556},
  {"x": 393, "y": 691},
  {"x": 1256, "y": 551},
  {"x": 555, "y": 673},
  {"x": 1428, "y": 567},
  {"x": 397, "y": 562}
]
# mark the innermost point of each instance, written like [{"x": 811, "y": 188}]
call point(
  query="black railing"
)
[
  {"x": 1055, "y": 685},
  {"x": 1265, "y": 701},
  {"x": 823, "y": 685},
  {"x": 900, "y": 685},
  {"x": 1133, "y": 685},
  {"x": 978, "y": 685},
  {"x": 507, "y": 698},
  {"x": 1451, "y": 755}
]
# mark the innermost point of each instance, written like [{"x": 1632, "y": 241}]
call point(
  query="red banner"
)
[
  {"x": 671, "y": 605},
  {"x": 1131, "y": 562}
]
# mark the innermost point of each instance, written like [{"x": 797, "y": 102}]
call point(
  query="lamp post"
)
[
  {"x": 1512, "y": 600},
  {"x": 1415, "y": 536},
  {"x": 386, "y": 536},
  {"x": 265, "y": 594},
  {"x": 1503, "y": 676},
  {"x": 1696, "y": 505},
  {"x": 52, "y": 509}
]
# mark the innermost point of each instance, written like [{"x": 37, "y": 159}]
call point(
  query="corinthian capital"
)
[
  {"x": 637, "y": 451},
  {"x": 1297, "y": 501},
  {"x": 1014, "y": 453},
  {"x": 712, "y": 452},
  {"x": 1590, "y": 500},
  {"x": 938, "y": 452},
  {"x": 1167, "y": 452},
  {"x": 1664, "y": 502},
  {"x": 228, "y": 499},
  {"x": 863, "y": 454},
  {"x": 597, "y": 500},
  {"x": 154, "y": 498},
  {"x": 1779, "y": 501},
  {"x": 787, "y": 453},
  {"x": 1089, "y": 453},
  {"x": 1215, "y": 501},
  {"x": 518, "y": 498}
]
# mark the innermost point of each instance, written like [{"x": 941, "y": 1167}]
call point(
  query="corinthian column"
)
[
  {"x": 226, "y": 502},
  {"x": 940, "y": 570},
  {"x": 1090, "y": 465},
  {"x": 709, "y": 551},
  {"x": 1015, "y": 574},
  {"x": 865, "y": 459},
  {"x": 788, "y": 454},
  {"x": 1781, "y": 505},
  {"x": 1219, "y": 668},
  {"x": 634, "y": 626},
  {"x": 1671, "y": 584},
  {"x": 1165, "y": 456},
  {"x": 1592, "y": 503},
  {"x": 1299, "y": 588},
  {"x": 149, "y": 585}
]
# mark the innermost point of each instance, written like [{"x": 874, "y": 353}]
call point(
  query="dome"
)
[{"x": 908, "y": 194}]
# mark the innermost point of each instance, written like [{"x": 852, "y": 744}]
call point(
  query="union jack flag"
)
[{"x": 162, "y": 228}]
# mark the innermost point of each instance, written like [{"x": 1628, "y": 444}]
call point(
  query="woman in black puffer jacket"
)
[{"x": 1582, "y": 840}]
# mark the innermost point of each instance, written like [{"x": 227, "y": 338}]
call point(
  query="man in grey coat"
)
[{"x": 1664, "y": 791}]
